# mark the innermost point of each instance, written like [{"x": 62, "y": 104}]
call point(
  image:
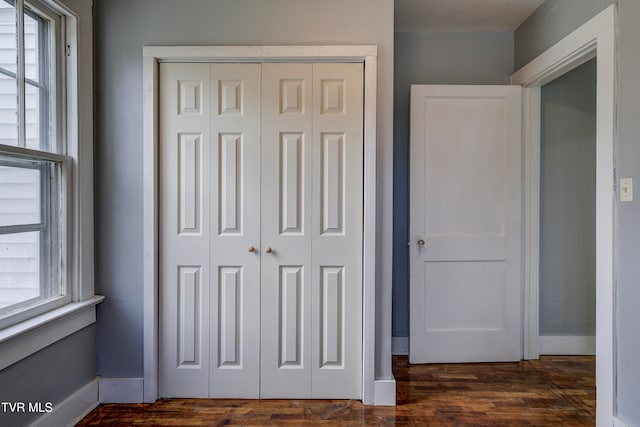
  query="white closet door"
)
[
  {"x": 235, "y": 222},
  {"x": 337, "y": 212},
  {"x": 261, "y": 206},
  {"x": 287, "y": 118},
  {"x": 184, "y": 230}
]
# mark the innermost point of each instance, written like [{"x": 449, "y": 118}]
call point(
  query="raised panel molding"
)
[
  {"x": 190, "y": 97},
  {"x": 331, "y": 312},
  {"x": 290, "y": 333},
  {"x": 291, "y": 96},
  {"x": 230, "y": 312},
  {"x": 333, "y": 97},
  {"x": 230, "y": 94},
  {"x": 332, "y": 181},
  {"x": 291, "y": 182},
  {"x": 189, "y": 297},
  {"x": 190, "y": 182},
  {"x": 230, "y": 193}
]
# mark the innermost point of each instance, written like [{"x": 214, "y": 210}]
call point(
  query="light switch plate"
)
[{"x": 626, "y": 189}]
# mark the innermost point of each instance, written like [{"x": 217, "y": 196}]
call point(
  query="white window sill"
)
[{"x": 22, "y": 340}]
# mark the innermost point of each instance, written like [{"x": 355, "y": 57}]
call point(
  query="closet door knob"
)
[
  {"x": 268, "y": 249},
  {"x": 251, "y": 248}
]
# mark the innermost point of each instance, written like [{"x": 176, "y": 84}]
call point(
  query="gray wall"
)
[
  {"x": 568, "y": 203},
  {"x": 50, "y": 375},
  {"x": 433, "y": 58},
  {"x": 541, "y": 33},
  {"x": 123, "y": 27},
  {"x": 558, "y": 18}
]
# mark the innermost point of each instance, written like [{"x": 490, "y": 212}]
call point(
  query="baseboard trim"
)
[
  {"x": 385, "y": 392},
  {"x": 121, "y": 390},
  {"x": 577, "y": 345},
  {"x": 400, "y": 346},
  {"x": 73, "y": 409}
]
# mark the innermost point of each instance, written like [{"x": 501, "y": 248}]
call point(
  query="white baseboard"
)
[
  {"x": 385, "y": 392},
  {"x": 617, "y": 422},
  {"x": 400, "y": 345},
  {"x": 121, "y": 390},
  {"x": 73, "y": 409},
  {"x": 576, "y": 345}
]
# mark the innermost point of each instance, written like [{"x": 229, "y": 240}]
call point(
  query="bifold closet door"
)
[
  {"x": 312, "y": 207},
  {"x": 261, "y": 213},
  {"x": 209, "y": 219},
  {"x": 235, "y": 237}
]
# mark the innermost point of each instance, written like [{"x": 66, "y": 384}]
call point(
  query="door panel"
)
[
  {"x": 466, "y": 208},
  {"x": 235, "y": 209},
  {"x": 338, "y": 164},
  {"x": 287, "y": 119},
  {"x": 184, "y": 230}
]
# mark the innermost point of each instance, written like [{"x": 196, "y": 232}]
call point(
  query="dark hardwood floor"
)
[{"x": 552, "y": 391}]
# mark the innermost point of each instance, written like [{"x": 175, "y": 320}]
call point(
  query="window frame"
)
[{"x": 62, "y": 151}]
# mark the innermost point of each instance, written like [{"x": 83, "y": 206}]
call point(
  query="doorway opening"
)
[
  {"x": 594, "y": 39},
  {"x": 567, "y": 213}
]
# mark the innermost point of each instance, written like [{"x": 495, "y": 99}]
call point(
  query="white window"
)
[{"x": 34, "y": 167}]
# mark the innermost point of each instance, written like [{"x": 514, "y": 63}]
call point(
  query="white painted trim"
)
[
  {"x": 25, "y": 338},
  {"x": 575, "y": 345},
  {"x": 385, "y": 392},
  {"x": 617, "y": 422},
  {"x": 531, "y": 269},
  {"x": 73, "y": 409},
  {"x": 598, "y": 35},
  {"x": 121, "y": 390},
  {"x": 152, "y": 55},
  {"x": 400, "y": 346}
]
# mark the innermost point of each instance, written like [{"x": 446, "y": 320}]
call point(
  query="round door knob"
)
[
  {"x": 421, "y": 243},
  {"x": 268, "y": 249},
  {"x": 251, "y": 249}
]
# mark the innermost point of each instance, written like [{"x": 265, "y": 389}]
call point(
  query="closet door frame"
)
[{"x": 152, "y": 56}]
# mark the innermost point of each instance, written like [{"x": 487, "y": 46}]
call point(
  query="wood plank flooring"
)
[{"x": 552, "y": 391}]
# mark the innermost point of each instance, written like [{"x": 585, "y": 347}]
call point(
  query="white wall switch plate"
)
[{"x": 626, "y": 189}]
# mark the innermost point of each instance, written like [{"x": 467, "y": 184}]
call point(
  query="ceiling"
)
[{"x": 462, "y": 15}]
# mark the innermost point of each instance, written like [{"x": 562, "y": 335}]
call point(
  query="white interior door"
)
[
  {"x": 185, "y": 110},
  {"x": 465, "y": 224},
  {"x": 261, "y": 214},
  {"x": 312, "y": 207},
  {"x": 287, "y": 112},
  {"x": 235, "y": 224}
]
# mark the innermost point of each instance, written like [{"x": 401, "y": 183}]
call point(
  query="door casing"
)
[
  {"x": 595, "y": 38},
  {"x": 152, "y": 56}
]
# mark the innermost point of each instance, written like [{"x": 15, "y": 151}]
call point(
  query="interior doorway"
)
[
  {"x": 595, "y": 37},
  {"x": 567, "y": 213}
]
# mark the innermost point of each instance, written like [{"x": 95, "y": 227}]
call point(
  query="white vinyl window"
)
[{"x": 34, "y": 167}]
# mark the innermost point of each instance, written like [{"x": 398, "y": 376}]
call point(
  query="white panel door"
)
[
  {"x": 287, "y": 122},
  {"x": 261, "y": 213},
  {"x": 185, "y": 230},
  {"x": 235, "y": 230},
  {"x": 465, "y": 224},
  {"x": 337, "y": 230}
]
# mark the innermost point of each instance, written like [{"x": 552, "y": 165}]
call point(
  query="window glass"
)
[{"x": 30, "y": 232}]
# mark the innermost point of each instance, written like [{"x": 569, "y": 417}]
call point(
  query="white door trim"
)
[
  {"x": 152, "y": 55},
  {"x": 597, "y": 37}
]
